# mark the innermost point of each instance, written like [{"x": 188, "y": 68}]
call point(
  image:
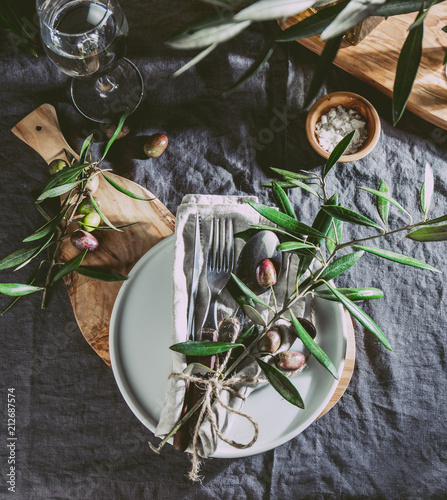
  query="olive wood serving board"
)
[
  {"x": 374, "y": 61},
  {"x": 93, "y": 300}
]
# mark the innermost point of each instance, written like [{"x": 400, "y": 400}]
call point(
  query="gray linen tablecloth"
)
[{"x": 77, "y": 439}]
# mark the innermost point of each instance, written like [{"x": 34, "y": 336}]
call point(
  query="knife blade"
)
[
  {"x": 182, "y": 437},
  {"x": 194, "y": 281}
]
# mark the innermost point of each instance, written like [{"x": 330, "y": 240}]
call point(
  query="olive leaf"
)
[
  {"x": 341, "y": 265},
  {"x": 385, "y": 196},
  {"x": 115, "y": 134},
  {"x": 124, "y": 190},
  {"x": 281, "y": 384},
  {"x": 98, "y": 273},
  {"x": 361, "y": 316},
  {"x": 354, "y": 294},
  {"x": 382, "y": 203},
  {"x": 194, "y": 368},
  {"x": 199, "y": 24},
  {"x": 397, "y": 7},
  {"x": 63, "y": 177},
  {"x": 290, "y": 184},
  {"x": 289, "y": 246},
  {"x": 102, "y": 215},
  {"x": 247, "y": 292},
  {"x": 255, "y": 68},
  {"x": 195, "y": 60},
  {"x": 18, "y": 256},
  {"x": 282, "y": 201},
  {"x": 355, "y": 12},
  {"x": 37, "y": 250},
  {"x": 219, "y": 32},
  {"x": 420, "y": 19},
  {"x": 284, "y": 221},
  {"x": 334, "y": 234},
  {"x": 107, "y": 228},
  {"x": 324, "y": 62},
  {"x": 202, "y": 347},
  {"x": 429, "y": 233},
  {"x": 338, "y": 151},
  {"x": 265, "y": 10},
  {"x": 287, "y": 174},
  {"x": 48, "y": 228},
  {"x": 312, "y": 25},
  {"x": 69, "y": 266},
  {"x": 347, "y": 215},
  {"x": 322, "y": 223},
  {"x": 30, "y": 281},
  {"x": 435, "y": 221},
  {"x": 427, "y": 189},
  {"x": 397, "y": 257},
  {"x": 247, "y": 234},
  {"x": 248, "y": 336},
  {"x": 407, "y": 67},
  {"x": 313, "y": 347},
  {"x": 86, "y": 145},
  {"x": 18, "y": 289},
  {"x": 278, "y": 230},
  {"x": 254, "y": 315},
  {"x": 58, "y": 190}
]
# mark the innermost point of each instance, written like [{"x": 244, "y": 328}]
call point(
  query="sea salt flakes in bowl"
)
[{"x": 334, "y": 116}]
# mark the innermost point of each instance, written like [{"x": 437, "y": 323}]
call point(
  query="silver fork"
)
[{"x": 219, "y": 264}]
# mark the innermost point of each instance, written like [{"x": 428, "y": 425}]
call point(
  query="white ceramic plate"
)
[{"x": 140, "y": 336}]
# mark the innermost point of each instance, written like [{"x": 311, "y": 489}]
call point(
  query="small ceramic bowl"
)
[{"x": 347, "y": 100}]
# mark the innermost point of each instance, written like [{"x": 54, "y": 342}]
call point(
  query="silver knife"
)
[{"x": 194, "y": 281}]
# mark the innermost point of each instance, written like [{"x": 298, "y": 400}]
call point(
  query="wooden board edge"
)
[{"x": 348, "y": 368}]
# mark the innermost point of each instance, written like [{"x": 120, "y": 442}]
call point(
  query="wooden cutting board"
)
[
  {"x": 93, "y": 300},
  {"x": 374, "y": 61}
]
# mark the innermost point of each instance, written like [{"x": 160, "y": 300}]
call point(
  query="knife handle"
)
[{"x": 193, "y": 393}]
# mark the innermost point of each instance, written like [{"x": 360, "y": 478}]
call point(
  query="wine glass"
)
[{"x": 87, "y": 39}]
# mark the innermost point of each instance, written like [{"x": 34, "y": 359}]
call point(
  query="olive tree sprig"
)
[
  {"x": 322, "y": 242},
  {"x": 79, "y": 215},
  {"x": 332, "y": 21}
]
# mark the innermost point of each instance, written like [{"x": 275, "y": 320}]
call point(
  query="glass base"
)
[{"x": 109, "y": 97}]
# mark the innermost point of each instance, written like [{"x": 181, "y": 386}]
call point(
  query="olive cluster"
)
[
  {"x": 81, "y": 238},
  {"x": 272, "y": 341}
]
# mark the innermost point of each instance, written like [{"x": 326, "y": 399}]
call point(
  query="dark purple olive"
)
[
  {"x": 308, "y": 326},
  {"x": 82, "y": 240},
  {"x": 155, "y": 145},
  {"x": 270, "y": 342},
  {"x": 290, "y": 360},
  {"x": 110, "y": 129},
  {"x": 266, "y": 273}
]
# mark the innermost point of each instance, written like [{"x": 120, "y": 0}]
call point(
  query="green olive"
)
[
  {"x": 57, "y": 165},
  {"x": 92, "y": 184},
  {"x": 86, "y": 207},
  {"x": 91, "y": 221}
]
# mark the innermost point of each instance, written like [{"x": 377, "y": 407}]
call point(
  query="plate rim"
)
[{"x": 149, "y": 422}]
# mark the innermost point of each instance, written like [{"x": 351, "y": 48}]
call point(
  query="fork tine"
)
[{"x": 231, "y": 246}]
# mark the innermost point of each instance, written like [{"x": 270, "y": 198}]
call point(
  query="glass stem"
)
[{"x": 105, "y": 85}]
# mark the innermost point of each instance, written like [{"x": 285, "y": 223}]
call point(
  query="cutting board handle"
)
[{"x": 41, "y": 131}]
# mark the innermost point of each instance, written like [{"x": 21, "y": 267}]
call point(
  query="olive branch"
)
[
  {"x": 318, "y": 247},
  {"x": 80, "y": 214},
  {"x": 331, "y": 21}
]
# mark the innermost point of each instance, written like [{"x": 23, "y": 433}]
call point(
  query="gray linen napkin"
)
[{"x": 207, "y": 206}]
